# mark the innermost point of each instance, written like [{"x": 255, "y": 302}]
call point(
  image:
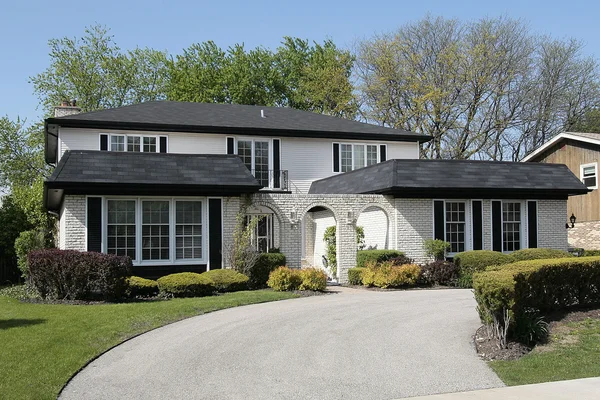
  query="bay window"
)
[{"x": 152, "y": 231}]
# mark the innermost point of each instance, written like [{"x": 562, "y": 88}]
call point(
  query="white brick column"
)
[
  {"x": 73, "y": 235},
  {"x": 552, "y": 216}
]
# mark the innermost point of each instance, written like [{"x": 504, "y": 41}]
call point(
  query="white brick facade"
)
[
  {"x": 73, "y": 234},
  {"x": 410, "y": 223}
]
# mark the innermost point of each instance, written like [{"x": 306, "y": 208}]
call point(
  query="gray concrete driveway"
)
[{"x": 356, "y": 344}]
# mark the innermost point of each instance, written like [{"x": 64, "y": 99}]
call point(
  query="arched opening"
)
[
  {"x": 375, "y": 224},
  {"x": 267, "y": 232},
  {"x": 315, "y": 224}
]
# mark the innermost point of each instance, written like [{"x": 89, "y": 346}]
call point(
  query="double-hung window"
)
[
  {"x": 589, "y": 175},
  {"x": 355, "y": 156},
  {"x": 511, "y": 226},
  {"x": 255, "y": 155},
  {"x": 455, "y": 225},
  {"x": 156, "y": 230}
]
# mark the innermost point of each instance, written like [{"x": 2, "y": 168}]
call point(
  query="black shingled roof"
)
[
  {"x": 128, "y": 173},
  {"x": 232, "y": 118},
  {"x": 456, "y": 179}
]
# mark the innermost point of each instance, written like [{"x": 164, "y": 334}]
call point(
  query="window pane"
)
[
  {"x": 262, "y": 236},
  {"x": 261, "y": 163},
  {"x": 245, "y": 152},
  {"x": 371, "y": 155},
  {"x": 511, "y": 226},
  {"x": 121, "y": 227},
  {"x": 346, "y": 157},
  {"x": 155, "y": 230},
  {"x": 359, "y": 156},
  {"x": 455, "y": 226},
  {"x": 117, "y": 143},
  {"x": 133, "y": 143},
  {"x": 149, "y": 144},
  {"x": 188, "y": 229}
]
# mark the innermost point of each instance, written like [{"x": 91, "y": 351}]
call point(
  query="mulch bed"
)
[{"x": 487, "y": 348}]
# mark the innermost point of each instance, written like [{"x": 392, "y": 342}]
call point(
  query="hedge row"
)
[
  {"x": 538, "y": 286},
  {"x": 285, "y": 279},
  {"x": 191, "y": 284},
  {"x": 473, "y": 261}
]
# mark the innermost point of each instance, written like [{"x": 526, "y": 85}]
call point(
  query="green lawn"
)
[
  {"x": 43, "y": 345},
  {"x": 573, "y": 352}
]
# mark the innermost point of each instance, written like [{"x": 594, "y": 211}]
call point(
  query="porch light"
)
[
  {"x": 350, "y": 217},
  {"x": 573, "y": 219}
]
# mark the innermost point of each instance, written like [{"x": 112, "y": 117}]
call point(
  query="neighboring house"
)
[
  {"x": 580, "y": 152},
  {"x": 163, "y": 183}
]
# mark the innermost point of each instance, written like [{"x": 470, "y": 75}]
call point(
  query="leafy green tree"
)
[
  {"x": 13, "y": 221},
  {"x": 590, "y": 122},
  {"x": 94, "y": 71}
]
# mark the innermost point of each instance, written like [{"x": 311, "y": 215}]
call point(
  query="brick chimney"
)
[{"x": 65, "y": 108}]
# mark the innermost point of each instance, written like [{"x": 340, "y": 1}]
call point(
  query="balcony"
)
[{"x": 272, "y": 179}]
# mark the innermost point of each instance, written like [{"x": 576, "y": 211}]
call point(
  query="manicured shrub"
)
[
  {"x": 74, "y": 275},
  {"x": 436, "y": 248},
  {"x": 469, "y": 262},
  {"x": 378, "y": 256},
  {"x": 227, "y": 280},
  {"x": 538, "y": 254},
  {"x": 386, "y": 275},
  {"x": 141, "y": 287},
  {"x": 313, "y": 279},
  {"x": 401, "y": 260},
  {"x": 355, "y": 276},
  {"x": 591, "y": 253},
  {"x": 507, "y": 294},
  {"x": 259, "y": 274},
  {"x": 26, "y": 243},
  {"x": 284, "y": 278},
  {"x": 439, "y": 272},
  {"x": 186, "y": 284}
]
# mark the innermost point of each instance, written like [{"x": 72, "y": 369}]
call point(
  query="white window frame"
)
[
  {"x": 523, "y": 243},
  {"x": 468, "y": 224},
  {"x": 352, "y": 144},
  {"x": 252, "y": 151},
  {"x": 582, "y": 167},
  {"x": 140, "y": 135},
  {"x": 172, "y": 241},
  {"x": 270, "y": 230}
]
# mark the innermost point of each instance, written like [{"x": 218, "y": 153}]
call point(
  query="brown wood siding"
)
[{"x": 573, "y": 154}]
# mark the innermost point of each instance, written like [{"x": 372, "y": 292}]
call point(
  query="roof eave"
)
[
  {"x": 556, "y": 139},
  {"x": 120, "y": 125}
]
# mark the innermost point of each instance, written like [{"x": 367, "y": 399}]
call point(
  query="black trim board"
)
[
  {"x": 215, "y": 233},
  {"x": 336, "y": 157},
  {"x": 94, "y": 224},
  {"x": 438, "y": 220},
  {"x": 497, "y": 226},
  {"x": 532, "y": 224},
  {"x": 104, "y": 142},
  {"x": 230, "y": 145},
  {"x": 477, "y": 216}
]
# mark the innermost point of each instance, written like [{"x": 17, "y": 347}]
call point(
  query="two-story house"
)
[
  {"x": 164, "y": 181},
  {"x": 580, "y": 152}
]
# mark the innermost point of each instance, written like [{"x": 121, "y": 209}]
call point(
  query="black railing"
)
[{"x": 272, "y": 179}]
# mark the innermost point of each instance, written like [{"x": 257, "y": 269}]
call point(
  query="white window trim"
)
[
  {"x": 468, "y": 224},
  {"x": 581, "y": 168},
  {"x": 140, "y": 135},
  {"x": 377, "y": 145},
  {"x": 172, "y": 240},
  {"x": 270, "y": 157},
  {"x": 523, "y": 243}
]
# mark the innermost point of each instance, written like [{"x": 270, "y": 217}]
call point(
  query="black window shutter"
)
[
  {"x": 104, "y": 142},
  {"x": 497, "y": 225},
  {"x": 532, "y": 222},
  {"x": 163, "y": 144},
  {"x": 382, "y": 152},
  {"x": 230, "y": 145},
  {"x": 477, "y": 225},
  {"x": 336, "y": 157},
  {"x": 276, "y": 163},
  {"x": 215, "y": 235},
  {"x": 94, "y": 224},
  {"x": 438, "y": 220}
]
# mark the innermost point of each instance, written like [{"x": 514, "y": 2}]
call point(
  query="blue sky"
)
[{"x": 173, "y": 25}]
